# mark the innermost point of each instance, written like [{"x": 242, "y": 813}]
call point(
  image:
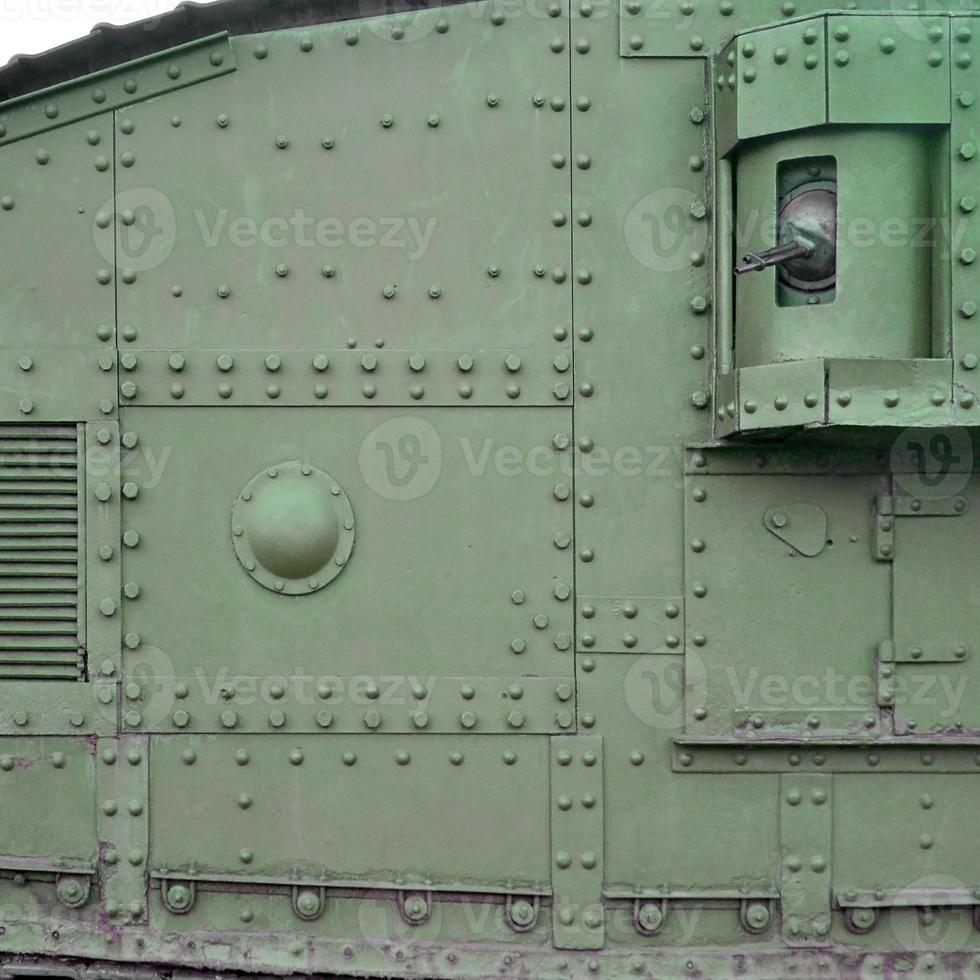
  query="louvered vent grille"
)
[{"x": 39, "y": 554}]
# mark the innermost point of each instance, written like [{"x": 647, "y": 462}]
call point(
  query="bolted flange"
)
[
  {"x": 292, "y": 528},
  {"x": 415, "y": 907},
  {"x": 522, "y": 913},
  {"x": 755, "y": 915},
  {"x": 860, "y": 921},
  {"x": 73, "y": 890},
  {"x": 648, "y": 917},
  {"x": 309, "y": 902},
  {"x": 178, "y": 896}
]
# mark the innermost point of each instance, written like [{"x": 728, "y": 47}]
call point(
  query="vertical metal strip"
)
[
  {"x": 723, "y": 268},
  {"x": 122, "y": 793},
  {"x": 577, "y": 841},
  {"x": 805, "y": 838}
]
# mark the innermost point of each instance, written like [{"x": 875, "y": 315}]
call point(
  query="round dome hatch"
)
[{"x": 293, "y": 528}]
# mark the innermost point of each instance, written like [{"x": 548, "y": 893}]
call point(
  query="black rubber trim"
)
[{"x": 108, "y": 45}]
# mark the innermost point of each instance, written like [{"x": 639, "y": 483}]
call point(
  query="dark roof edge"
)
[{"x": 107, "y": 46}]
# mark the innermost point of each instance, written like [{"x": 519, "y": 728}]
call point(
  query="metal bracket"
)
[
  {"x": 522, "y": 912},
  {"x": 73, "y": 889},
  {"x": 309, "y": 902},
  {"x": 888, "y": 507},
  {"x": 755, "y": 915},
  {"x": 649, "y": 917},
  {"x": 415, "y": 907},
  {"x": 178, "y": 897}
]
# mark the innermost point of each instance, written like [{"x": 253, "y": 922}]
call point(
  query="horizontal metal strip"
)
[
  {"x": 926, "y": 896},
  {"x": 40, "y": 658},
  {"x": 61, "y": 488},
  {"x": 39, "y": 569},
  {"x": 459, "y": 705},
  {"x": 21, "y": 643},
  {"x": 17, "y": 470},
  {"x": 36, "y": 462},
  {"x": 43, "y": 627},
  {"x": 16, "y": 527},
  {"x": 844, "y": 756},
  {"x": 691, "y": 894},
  {"x": 33, "y": 601},
  {"x": 44, "y": 501},
  {"x": 36, "y": 673},
  {"x": 40, "y": 432},
  {"x": 503, "y": 377},
  {"x": 354, "y": 885},
  {"x": 14, "y": 446},
  {"x": 10, "y": 556},
  {"x": 23, "y": 515},
  {"x": 56, "y": 545},
  {"x": 35, "y": 584},
  {"x": 14, "y": 614}
]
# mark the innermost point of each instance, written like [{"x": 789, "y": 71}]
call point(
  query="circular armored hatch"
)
[{"x": 293, "y": 528}]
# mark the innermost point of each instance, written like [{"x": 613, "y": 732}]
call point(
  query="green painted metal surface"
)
[{"x": 422, "y": 555}]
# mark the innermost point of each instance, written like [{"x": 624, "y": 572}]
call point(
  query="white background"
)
[{"x": 30, "y": 26}]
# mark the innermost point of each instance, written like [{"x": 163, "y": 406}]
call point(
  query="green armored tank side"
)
[{"x": 488, "y": 490}]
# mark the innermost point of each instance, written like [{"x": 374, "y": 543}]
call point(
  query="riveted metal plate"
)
[
  {"x": 380, "y": 784},
  {"x": 805, "y": 829},
  {"x": 866, "y": 54},
  {"x": 642, "y": 236},
  {"x": 745, "y": 650},
  {"x": 293, "y": 528},
  {"x": 320, "y": 702},
  {"x": 884, "y": 392},
  {"x": 42, "y": 386},
  {"x": 916, "y": 853},
  {"x": 62, "y": 179},
  {"x": 654, "y": 29},
  {"x": 416, "y": 482},
  {"x": 459, "y": 378},
  {"x": 637, "y": 703},
  {"x": 752, "y": 68},
  {"x": 122, "y": 787},
  {"x": 355, "y": 254},
  {"x": 577, "y": 842},
  {"x": 773, "y": 396},
  {"x": 934, "y": 643},
  {"x": 636, "y": 624},
  {"x": 120, "y": 86},
  {"x": 55, "y": 768}
]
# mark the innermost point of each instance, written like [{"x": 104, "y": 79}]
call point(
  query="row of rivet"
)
[
  {"x": 688, "y": 9},
  {"x": 321, "y": 363},
  {"x": 699, "y": 590},
  {"x": 794, "y": 759},
  {"x": 130, "y": 86},
  {"x": 630, "y": 640},
  {"x": 963, "y": 175},
  {"x": 887, "y": 46}
]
